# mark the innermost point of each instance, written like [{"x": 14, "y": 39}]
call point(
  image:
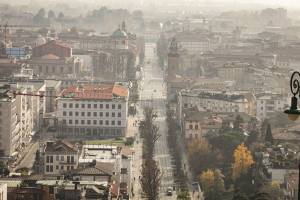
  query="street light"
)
[{"x": 293, "y": 113}]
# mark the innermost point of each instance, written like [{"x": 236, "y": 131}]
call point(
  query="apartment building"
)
[
  {"x": 59, "y": 157},
  {"x": 10, "y": 125},
  {"x": 213, "y": 101},
  {"x": 93, "y": 111},
  {"x": 268, "y": 103}
]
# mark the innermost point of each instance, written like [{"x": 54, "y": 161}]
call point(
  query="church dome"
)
[{"x": 119, "y": 34}]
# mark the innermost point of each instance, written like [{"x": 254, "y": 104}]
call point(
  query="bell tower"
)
[{"x": 173, "y": 60}]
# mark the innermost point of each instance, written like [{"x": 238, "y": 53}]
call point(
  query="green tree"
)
[
  {"x": 237, "y": 123},
  {"x": 269, "y": 136},
  {"x": 41, "y": 13},
  {"x": 4, "y": 171},
  {"x": 184, "y": 195},
  {"x": 61, "y": 15},
  {"x": 51, "y": 14}
]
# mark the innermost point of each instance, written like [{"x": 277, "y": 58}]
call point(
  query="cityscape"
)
[{"x": 155, "y": 100}]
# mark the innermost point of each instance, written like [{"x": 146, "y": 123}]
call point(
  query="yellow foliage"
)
[
  {"x": 242, "y": 161},
  {"x": 207, "y": 179}
]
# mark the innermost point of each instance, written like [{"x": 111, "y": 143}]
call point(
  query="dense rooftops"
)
[
  {"x": 216, "y": 96},
  {"x": 101, "y": 92}
]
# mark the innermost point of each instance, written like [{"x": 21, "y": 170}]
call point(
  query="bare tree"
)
[
  {"x": 151, "y": 174},
  {"x": 151, "y": 178}
]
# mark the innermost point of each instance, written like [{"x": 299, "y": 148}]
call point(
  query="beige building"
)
[
  {"x": 3, "y": 191},
  {"x": 59, "y": 157},
  {"x": 10, "y": 125}
]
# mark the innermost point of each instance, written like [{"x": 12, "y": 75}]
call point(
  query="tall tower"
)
[{"x": 173, "y": 60}]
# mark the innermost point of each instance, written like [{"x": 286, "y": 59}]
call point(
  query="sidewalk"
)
[{"x": 132, "y": 131}]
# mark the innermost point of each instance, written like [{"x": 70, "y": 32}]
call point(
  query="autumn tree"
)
[
  {"x": 212, "y": 183},
  {"x": 202, "y": 156},
  {"x": 243, "y": 160},
  {"x": 274, "y": 190}
]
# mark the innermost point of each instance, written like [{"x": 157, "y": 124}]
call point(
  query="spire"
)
[
  {"x": 173, "y": 49},
  {"x": 124, "y": 26}
]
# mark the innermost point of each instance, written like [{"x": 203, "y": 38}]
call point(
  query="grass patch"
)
[{"x": 115, "y": 142}]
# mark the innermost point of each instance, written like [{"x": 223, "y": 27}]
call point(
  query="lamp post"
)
[{"x": 293, "y": 113}]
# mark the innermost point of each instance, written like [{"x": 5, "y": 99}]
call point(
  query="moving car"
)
[{"x": 169, "y": 191}]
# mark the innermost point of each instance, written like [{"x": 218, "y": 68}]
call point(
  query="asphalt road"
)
[{"x": 153, "y": 93}]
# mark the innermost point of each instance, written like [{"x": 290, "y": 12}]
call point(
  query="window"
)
[
  {"x": 70, "y": 105},
  {"x": 70, "y": 113},
  {"x": 107, "y": 106},
  {"x": 95, "y": 114},
  {"x": 70, "y": 121},
  {"x": 72, "y": 159},
  {"x": 95, "y": 122},
  {"x": 68, "y": 167},
  {"x": 89, "y": 106},
  {"x": 106, "y": 122},
  {"x": 196, "y": 126},
  {"x": 88, "y": 121},
  {"x": 107, "y": 114},
  {"x": 56, "y": 167},
  {"x": 95, "y": 105},
  {"x": 82, "y": 121},
  {"x": 101, "y": 114},
  {"x": 61, "y": 167},
  {"x": 47, "y": 168},
  {"x": 76, "y": 105},
  {"x": 64, "y": 121},
  {"x": 113, "y": 106},
  {"x": 101, "y": 105},
  {"x": 82, "y": 114},
  {"x": 89, "y": 114},
  {"x": 62, "y": 158},
  {"x": 76, "y": 113},
  {"x": 82, "y": 105},
  {"x": 119, "y": 114},
  {"x": 112, "y": 122},
  {"x": 68, "y": 159},
  {"x": 101, "y": 122},
  {"x": 72, "y": 167},
  {"x": 64, "y": 105},
  {"x": 113, "y": 114},
  {"x": 49, "y": 159},
  {"x": 191, "y": 126},
  {"x": 76, "y": 121},
  {"x": 64, "y": 113},
  {"x": 51, "y": 168},
  {"x": 57, "y": 158},
  {"x": 119, "y": 106},
  {"x": 119, "y": 123}
]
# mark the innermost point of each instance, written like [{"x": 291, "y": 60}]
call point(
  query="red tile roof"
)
[{"x": 105, "y": 91}]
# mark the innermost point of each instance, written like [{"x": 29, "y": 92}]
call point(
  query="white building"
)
[
  {"x": 193, "y": 43},
  {"x": 95, "y": 111},
  {"x": 266, "y": 104},
  {"x": 213, "y": 101}
]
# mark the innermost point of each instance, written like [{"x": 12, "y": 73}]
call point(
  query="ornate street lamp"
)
[{"x": 293, "y": 112}]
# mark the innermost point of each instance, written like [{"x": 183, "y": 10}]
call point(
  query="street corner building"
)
[{"x": 93, "y": 111}]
